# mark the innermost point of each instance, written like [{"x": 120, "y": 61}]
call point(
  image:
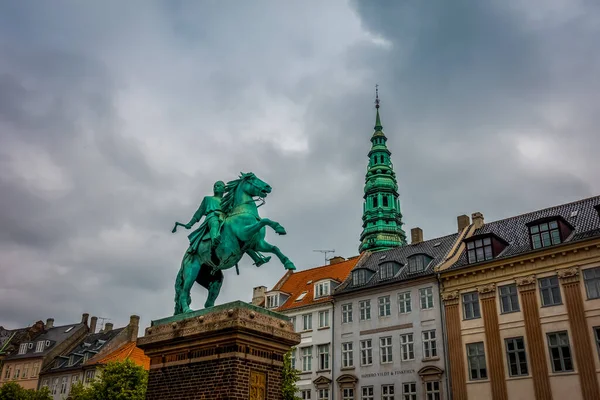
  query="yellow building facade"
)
[{"x": 522, "y": 306}]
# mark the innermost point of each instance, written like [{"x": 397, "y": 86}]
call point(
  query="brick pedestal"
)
[{"x": 229, "y": 352}]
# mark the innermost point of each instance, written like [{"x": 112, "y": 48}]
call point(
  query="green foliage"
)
[
  {"x": 119, "y": 381},
  {"x": 289, "y": 377},
  {"x": 12, "y": 391}
]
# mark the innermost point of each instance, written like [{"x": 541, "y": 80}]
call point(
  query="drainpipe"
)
[
  {"x": 445, "y": 339},
  {"x": 333, "y": 387}
]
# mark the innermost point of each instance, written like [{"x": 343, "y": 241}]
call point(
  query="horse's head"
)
[{"x": 254, "y": 186}]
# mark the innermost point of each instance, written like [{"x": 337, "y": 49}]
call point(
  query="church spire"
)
[{"x": 382, "y": 218}]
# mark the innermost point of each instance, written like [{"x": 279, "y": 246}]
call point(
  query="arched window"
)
[
  {"x": 375, "y": 201},
  {"x": 385, "y": 201}
]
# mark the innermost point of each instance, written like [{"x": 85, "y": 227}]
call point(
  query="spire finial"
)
[
  {"x": 378, "y": 126},
  {"x": 376, "y": 96}
]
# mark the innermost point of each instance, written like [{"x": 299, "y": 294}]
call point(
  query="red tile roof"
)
[
  {"x": 127, "y": 351},
  {"x": 295, "y": 283}
]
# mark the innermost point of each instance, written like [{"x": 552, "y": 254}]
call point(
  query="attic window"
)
[
  {"x": 360, "y": 277},
  {"x": 418, "y": 262},
  {"x": 437, "y": 244},
  {"x": 273, "y": 301},
  {"x": 70, "y": 329},
  {"x": 301, "y": 296},
  {"x": 72, "y": 360},
  {"x": 388, "y": 270},
  {"x": 39, "y": 347},
  {"x": 23, "y": 348},
  {"x": 548, "y": 232},
  {"x": 480, "y": 250},
  {"x": 573, "y": 213},
  {"x": 322, "y": 289}
]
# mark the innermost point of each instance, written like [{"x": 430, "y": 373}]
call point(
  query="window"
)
[
  {"x": 429, "y": 345},
  {"x": 7, "y": 373},
  {"x": 322, "y": 394},
  {"x": 46, "y": 383},
  {"x": 293, "y": 358},
  {"x": 385, "y": 349},
  {"x": 39, "y": 347},
  {"x": 25, "y": 370},
  {"x": 89, "y": 376},
  {"x": 293, "y": 321},
  {"x": 407, "y": 347},
  {"x": 23, "y": 348},
  {"x": 591, "y": 278},
  {"x": 432, "y": 390},
  {"x": 301, "y": 296},
  {"x": 323, "y": 350},
  {"x": 17, "y": 372},
  {"x": 545, "y": 234},
  {"x": 404, "y": 304},
  {"x": 306, "y": 358},
  {"x": 417, "y": 263},
  {"x": 321, "y": 289},
  {"x": 366, "y": 352},
  {"x": 471, "y": 306},
  {"x": 346, "y": 313},
  {"x": 63, "y": 385},
  {"x": 479, "y": 250},
  {"x": 359, "y": 277},
  {"x": 515, "y": 353},
  {"x": 347, "y": 394},
  {"x": 306, "y": 322},
  {"x": 305, "y": 394},
  {"x": 385, "y": 198},
  {"x": 387, "y": 270},
  {"x": 550, "y": 291},
  {"x": 347, "y": 355},
  {"x": 55, "y": 386},
  {"x": 560, "y": 352},
  {"x": 597, "y": 336},
  {"x": 324, "y": 319},
  {"x": 387, "y": 392},
  {"x": 367, "y": 393},
  {"x": 273, "y": 301},
  {"x": 509, "y": 299},
  {"x": 34, "y": 371},
  {"x": 375, "y": 202},
  {"x": 426, "y": 295},
  {"x": 385, "y": 308},
  {"x": 74, "y": 379},
  {"x": 365, "y": 309},
  {"x": 476, "y": 358},
  {"x": 409, "y": 391}
]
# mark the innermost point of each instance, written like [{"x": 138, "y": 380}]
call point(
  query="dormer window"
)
[
  {"x": 597, "y": 207},
  {"x": 388, "y": 270},
  {"x": 484, "y": 247},
  {"x": 418, "y": 263},
  {"x": 548, "y": 232},
  {"x": 360, "y": 277},
  {"x": 273, "y": 301},
  {"x": 322, "y": 289},
  {"x": 39, "y": 347},
  {"x": 23, "y": 348},
  {"x": 72, "y": 359}
]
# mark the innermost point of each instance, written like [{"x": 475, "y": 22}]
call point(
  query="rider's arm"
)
[{"x": 198, "y": 214}]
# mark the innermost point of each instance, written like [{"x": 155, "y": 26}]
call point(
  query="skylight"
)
[
  {"x": 301, "y": 296},
  {"x": 69, "y": 329},
  {"x": 574, "y": 213},
  {"x": 383, "y": 257},
  {"x": 437, "y": 244}
]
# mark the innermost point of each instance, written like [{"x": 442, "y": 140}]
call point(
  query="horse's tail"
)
[{"x": 178, "y": 289}]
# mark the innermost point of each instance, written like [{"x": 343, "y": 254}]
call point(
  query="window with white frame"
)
[
  {"x": 293, "y": 358},
  {"x": 429, "y": 345},
  {"x": 347, "y": 394},
  {"x": 366, "y": 352},
  {"x": 7, "y": 372},
  {"x": 63, "y": 385},
  {"x": 55, "y": 386},
  {"x": 476, "y": 359},
  {"x": 306, "y": 358},
  {"x": 34, "y": 371},
  {"x": 17, "y": 372},
  {"x": 324, "y": 319},
  {"x": 426, "y": 296},
  {"x": 346, "y": 313},
  {"x": 387, "y": 392},
  {"x": 560, "y": 352},
  {"x": 39, "y": 346},
  {"x": 347, "y": 355},
  {"x": 407, "y": 347},
  {"x": 385, "y": 306},
  {"x": 273, "y": 301},
  {"x": 321, "y": 289},
  {"x": 306, "y": 322},
  {"x": 409, "y": 391},
  {"x": 293, "y": 321},
  {"x": 74, "y": 379},
  {"x": 591, "y": 279},
  {"x": 323, "y": 350},
  {"x": 365, "y": 309},
  {"x": 305, "y": 394},
  {"x": 385, "y": 349},
  {"x": 89, "y": 376},
  {"x": 25, "y": 370},
  {"x": 432, "y": 390},
  {"x": 322, "y": 394},
  {"x": 404, "y": 303},
  {"x": 367, "y": 393},
  {"x": 23, "y": 348}
]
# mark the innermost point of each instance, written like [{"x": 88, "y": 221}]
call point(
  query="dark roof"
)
[
  {"x": 91, "y": 344},
  {"x": 51, "y": 337},
  {"x": 436, "y": 248},
  {"x": 11, "y": 338},
  {"x": 581, "y": 215}
]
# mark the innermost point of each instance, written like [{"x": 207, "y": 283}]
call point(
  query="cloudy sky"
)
[{"x": 117, "y": 117}]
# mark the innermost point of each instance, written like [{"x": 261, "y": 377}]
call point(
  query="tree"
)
[
  {"x": 121, "y": 380},
  {"x": 289, "y": 377},
  {"x": 13, "y": 391}
]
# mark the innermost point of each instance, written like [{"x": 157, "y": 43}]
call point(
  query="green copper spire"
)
[{"x": 382, "y": 218}]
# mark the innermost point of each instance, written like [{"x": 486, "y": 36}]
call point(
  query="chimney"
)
[
  {"x": 416, "y": 235},
  {"x": 477, "y": 218},
  {"x": 258, "y": 295},
  {"x": 93, "y": 323},
  {"x": 108, "y": 327},
  {"x": 49, "y": 323},
  {"x": 336, "y": 260},
  {"x": 463, "y": 221},
  {"x": 84, "y": 318},
  {"x": 133, "y": 327}
]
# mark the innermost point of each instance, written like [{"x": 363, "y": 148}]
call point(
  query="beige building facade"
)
[{"x": 522, "y": 306}]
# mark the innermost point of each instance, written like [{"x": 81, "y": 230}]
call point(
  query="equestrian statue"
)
[{"x": 231, "y": 228}]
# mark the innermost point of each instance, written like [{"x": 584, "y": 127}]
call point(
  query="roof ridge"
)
[{"x": 326, "y": 265}]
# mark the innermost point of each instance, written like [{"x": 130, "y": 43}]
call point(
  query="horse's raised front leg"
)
[
  {"x": 246, "y": 232},
  {"x": 267, "y": 247}
]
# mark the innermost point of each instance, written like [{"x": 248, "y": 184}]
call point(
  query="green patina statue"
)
[{"x": 231, "y": 228}]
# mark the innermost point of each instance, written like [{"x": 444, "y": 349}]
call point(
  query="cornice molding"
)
[
  {"x": 450, "y": 298},
  {"x": 569, "y": 275},
  {"x": 526, "y": 283},
  {"x": 487, "y": 291}
]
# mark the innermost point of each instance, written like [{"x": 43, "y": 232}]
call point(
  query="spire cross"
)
[{"x": 376, "y": 96}]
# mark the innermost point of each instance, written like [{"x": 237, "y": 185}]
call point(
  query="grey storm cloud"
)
[{"x": 116, "y": 118}]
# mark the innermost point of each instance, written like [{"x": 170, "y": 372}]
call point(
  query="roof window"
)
[
  {"x": 418, "y": 263},
  {"x": 301, "y": 296},
  {"x": 548, "y": 232}
]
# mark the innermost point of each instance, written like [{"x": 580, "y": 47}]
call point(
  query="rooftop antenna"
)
[
  {"x": 325, "y": 254},
  {"x": 102, "y": 320}
]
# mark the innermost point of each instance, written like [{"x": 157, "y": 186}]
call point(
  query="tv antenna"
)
[
  {"x": 325, "y": 253},
  {"x": 102, "y": 321}
]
